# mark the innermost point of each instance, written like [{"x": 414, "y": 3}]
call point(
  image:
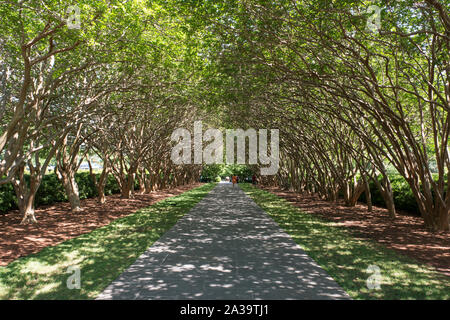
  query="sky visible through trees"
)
[{"x": 357, "y": 90}]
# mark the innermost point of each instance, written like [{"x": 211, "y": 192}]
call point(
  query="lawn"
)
[
  {"x": 347, "y": 258},
  {"x": 100, "y": 255}
]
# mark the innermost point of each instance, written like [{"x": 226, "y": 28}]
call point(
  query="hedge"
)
[
  {"x": 403, "y": 196},
  {"x": 51, "y": 190}
]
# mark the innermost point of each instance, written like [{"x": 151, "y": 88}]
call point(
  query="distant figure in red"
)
[
  {"x": 254, "y": 179},
  {"x": 234, "y": 180}
]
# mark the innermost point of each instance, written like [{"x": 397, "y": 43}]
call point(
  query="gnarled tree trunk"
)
[{"x": 71, "y": 189}]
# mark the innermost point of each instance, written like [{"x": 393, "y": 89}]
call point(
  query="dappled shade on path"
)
[{"x": 225, "y": 248}]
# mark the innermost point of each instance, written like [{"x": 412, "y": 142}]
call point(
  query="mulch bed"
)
[
  {"x": 406, "y": 234},
  {"x": 56, "y": 223}
]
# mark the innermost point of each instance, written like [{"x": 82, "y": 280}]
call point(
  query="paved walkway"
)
[{"x": 226, "y": 247}]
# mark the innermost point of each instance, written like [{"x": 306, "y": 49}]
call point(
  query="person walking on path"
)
[
  {"x": 234, "y": 180},
  {"x": 224, "y": 259}
]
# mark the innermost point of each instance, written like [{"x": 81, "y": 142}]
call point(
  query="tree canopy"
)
[{"x": 355, "y": 88}]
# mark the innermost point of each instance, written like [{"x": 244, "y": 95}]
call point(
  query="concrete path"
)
[{"x": 226, "y": 247}]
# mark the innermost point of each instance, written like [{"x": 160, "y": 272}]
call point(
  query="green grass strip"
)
[
  {"x": 347, "y": 258},
  {"x": 102, "y": 255}
]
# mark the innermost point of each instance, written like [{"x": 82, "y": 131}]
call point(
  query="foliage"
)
[
  {"x": 52, "y": 191},
  {"x": 216, "y": 172},
  {"x": 211, "y": 172},
  {"x": 347, "y": 99},
  {"x": 403, "y": 196},
  {"x": 7, "y": 198}
]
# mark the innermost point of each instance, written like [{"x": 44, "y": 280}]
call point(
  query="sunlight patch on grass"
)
[
  {"x": 347, "y": 258},
  {"x": 101, "y": 255},
  {"x": 38, "y": 267},
  {"x": 46, "y": 288}
]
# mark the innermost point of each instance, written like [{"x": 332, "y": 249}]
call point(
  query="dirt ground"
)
[
  {"x": 57, "y": 224},
  {"x": 406, "y": 234}
]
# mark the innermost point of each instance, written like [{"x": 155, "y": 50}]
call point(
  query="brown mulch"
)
[
  {"x": 57, "y": 224},
  {"x": 406, "y": 234}
]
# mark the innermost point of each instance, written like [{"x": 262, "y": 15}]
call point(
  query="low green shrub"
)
[
  {"x": 52, "y": 191},
  {"x": 403, "y": 197},
  {"x": 8, "y": 200}
]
